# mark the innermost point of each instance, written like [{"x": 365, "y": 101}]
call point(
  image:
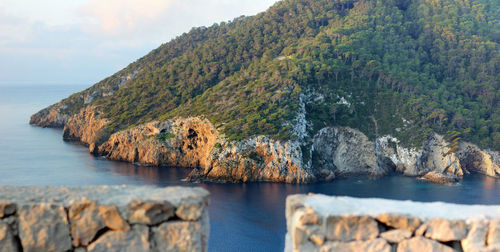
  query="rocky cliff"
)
[{"x": 334, "y": 151}]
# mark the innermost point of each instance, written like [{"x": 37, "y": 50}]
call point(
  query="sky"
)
[{"x": 70, "y": 42}]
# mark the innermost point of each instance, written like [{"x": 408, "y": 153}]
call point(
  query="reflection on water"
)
[{"x": 243, "y": 217}]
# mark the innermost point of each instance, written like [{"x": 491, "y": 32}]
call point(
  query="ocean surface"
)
[{"x": 243, "y": 217}]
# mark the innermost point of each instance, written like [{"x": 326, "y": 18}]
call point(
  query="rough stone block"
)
[
  {"x": 419, "y": 244},
  {"x": 396, "y": 235},
  {"x": 377, "y": 245},
  {"x": 135, "y": 240},
  {"x": 349, "y": 228},
  {"x": 446, "y": 230}
]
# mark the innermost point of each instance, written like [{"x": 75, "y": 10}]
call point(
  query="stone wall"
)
[
  {"x": 323, "y": 223},
  {"x": 103, "y": 218}
]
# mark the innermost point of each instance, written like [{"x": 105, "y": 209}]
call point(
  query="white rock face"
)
[{"x": 324, "y": 223}]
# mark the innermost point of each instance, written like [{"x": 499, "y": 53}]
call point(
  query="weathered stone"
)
[
  {"x": 302, "y": 235},
  {"x": 396, "y": 235},
  {"x": 446, "y": 230},
  {"x": 191, "y": 209},
  {"x": 6, "y": 208},
  {"x": 44, "y": 227},
  {"x": 399, "y": 222},
  {"x": 7, "y": 240},
  {"x": 351, "y": 228},
  {"x": 494, "y": 234},
  {"x": 310, "y": 217},
  {"x": 149, "y": 212},
  {"x": 113, "y": 219},
  {"x": 12, "y": 222},
  {"x": 376, "y": 245},
  {"x": 476, "y": 239},
  {"x": 87, "y": 219},
  {"x": 437, "y": 177},
  {"x": 178, "y": 236},
  {"x": 419, "y": 244},
  {"x": 421, "y": 230},
  {"x": 135, "y": 240}
]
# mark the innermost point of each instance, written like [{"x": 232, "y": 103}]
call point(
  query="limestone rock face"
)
[
  {"x": 399, "y": 222},
  {"x": 149, "y": 212},
  {"x": 476, "y": 239},
  {"x": 179, "y": 236},
  {"x": 87, "y": 220},
  {"x": 7, "y": 240},
  {"x": 86, "y": 127},
  {"x": 345, "y": 151},
  {"x": 418, "y": 244},
  {"x": 390, "y": 153},
  {"x": 194, "y": 142},
  {"x": 446, "y": 230},
  {"x": 377, "y": 245},
  {"x": 396, "y": 235},
  {"x": 351, "y": 228},
  {"x": 51, "y": 117},
  {"x": 473, "y": 159},
  {"x": 436, "y": 156},
  {"x": 135, "y": 240},
  {"x": 44, "y": 227}
]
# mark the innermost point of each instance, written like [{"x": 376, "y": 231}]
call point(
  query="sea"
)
[{"x": 243, "y": 217}]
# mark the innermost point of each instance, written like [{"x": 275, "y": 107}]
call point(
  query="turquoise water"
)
[{"x": 243, "y": 217}]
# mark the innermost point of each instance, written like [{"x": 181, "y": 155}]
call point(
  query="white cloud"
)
[{"x": 119, "y": 17}]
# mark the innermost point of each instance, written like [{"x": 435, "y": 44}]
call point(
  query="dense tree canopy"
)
[{"x": 399, "y": 67}]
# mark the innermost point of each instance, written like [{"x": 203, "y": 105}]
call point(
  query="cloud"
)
[{"x": 120, "y": 17}]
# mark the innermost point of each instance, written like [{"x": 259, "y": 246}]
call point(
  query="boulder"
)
[
  {"x": 438, "y": 177},
  {"x": 399, "y": 221},
  {"x": 476, "y": 238},
  {"x": 446, "y": 230},
  {"x": 87, "y": 220},
  {"x": 349, "y": 228},
  {"x": 396, "y": 235},
  {"x": 44, "y": 227},
  {"x": 494, "y": 234},
  {"x": 149, "y": 212},
  {"x": 6, "y": 208},
  {"x": 135, "y": 240},
  {"x": 419, "y": 244}
]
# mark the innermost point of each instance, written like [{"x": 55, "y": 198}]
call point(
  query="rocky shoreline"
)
[{"x": 334, "y": 151}]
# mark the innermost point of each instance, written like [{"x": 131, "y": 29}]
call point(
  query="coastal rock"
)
[
  {"x": 418, "y": 244},
  {"x": 7, "y": 239},
  {"x": 345, "y": 151},
  {"x": 446, "y": 230},
  {"x": 178, "y": 236},
  {"x": 86, "y": 127},
  {"x": 396, "y": 235},
  {"x": 391, "y": 154},
  {"x": 135, "y": 240},
  {"x": 149, "y": 213},
  {"x": 437, "y": 177},
  {"x": 438, "y": 157},
  {"x": 376, "y": 245},
  {"x": 44, "y": 227},
  {"x": 399, "y": 222},
  {"x": 6, "y": 208},
  {"x": 194, "y": 142},
  {"x": 349, "y": 228},
  {"x": 87, "y": 220},
  {"x": 51, "y": 117},
  {"x": 472, "y": 159}
]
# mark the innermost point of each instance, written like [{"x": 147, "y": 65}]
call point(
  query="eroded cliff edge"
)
[{"x": 334, "y": 151}]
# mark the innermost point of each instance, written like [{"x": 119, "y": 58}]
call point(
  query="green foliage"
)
[
  {"x": 164, "y": 137},
  {"x": 399, "y": 67}
]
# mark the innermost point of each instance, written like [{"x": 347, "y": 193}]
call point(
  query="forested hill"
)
[{"x": 398, "y": 67}]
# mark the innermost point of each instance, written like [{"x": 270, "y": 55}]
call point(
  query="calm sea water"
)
[{"x": 243, "y": 217}]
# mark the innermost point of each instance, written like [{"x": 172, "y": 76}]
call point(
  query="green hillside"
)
[{"x": 399, "y": 67}]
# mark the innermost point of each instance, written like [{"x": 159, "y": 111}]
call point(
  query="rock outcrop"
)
[
  {"x": 104, "y": 218},
  {"x": 86, "y": 127},
  {"x": 50, "y": 117},
  {"x": 334, "y": 151},
  {"x": 194, "y": 142},
  {"x": 325, "y": 223}
]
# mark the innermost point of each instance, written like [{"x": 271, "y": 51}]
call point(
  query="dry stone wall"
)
[
  {"x": 324, "y": 223},
  {"x": 103, "y": 218}
]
